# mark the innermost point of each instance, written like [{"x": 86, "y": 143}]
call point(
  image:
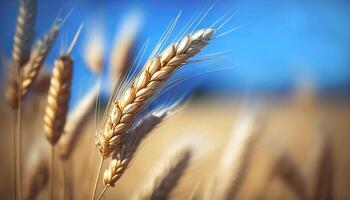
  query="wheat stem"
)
[
  {"x": 14, "y": 171},
  {"x": 19, "y": 137},
  {"x": 52, "y": 172},
  {"x": 97, "y": 177},
  {"x": 103, "y": 191}
]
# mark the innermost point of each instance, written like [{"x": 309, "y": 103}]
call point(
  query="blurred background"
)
[{"x": 290, "y": 59}]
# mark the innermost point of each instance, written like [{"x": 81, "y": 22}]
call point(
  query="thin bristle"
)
[
  {"x": 235, "y": 160},
  {"x": 76, "y": 120},
  {"x": 166, "y": 176},
  {"x": 24, "y": 32},
  {"x": 58, "y": 98},
  {"x": 124, "y": 109},
  {"x": 121, "y": 159}
]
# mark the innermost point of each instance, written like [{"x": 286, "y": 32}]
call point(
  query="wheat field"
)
[{"x": 132, "y": 144}]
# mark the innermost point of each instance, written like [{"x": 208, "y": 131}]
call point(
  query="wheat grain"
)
[
  {"x": 24, "y": 32},
  {"x": 122, "y": 158},
  {"x": 77, "y": 119},
  {"x": 58, "y": 98},
  {"x": 154, "y": 74},
  {"x": 165, "y": 176}
]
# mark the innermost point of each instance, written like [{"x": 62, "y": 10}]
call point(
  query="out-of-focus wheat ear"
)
[
  {"x": 37, "y": 58},
  {"x": 94, "y": 48},
  {"x": 76, "y": 120},
  {"x": 166, "y": 176},
  {"x": 24, "y": 33},
  {"x": 38, "y": 171},
  {"x": 323, "y": 169},
  {"x": 286, "y": 169},
  {"x": 123, "y": 48},
  {"x": 58, "y": 98},
  {"x": 122, "y": 111},
  {"x": 234, "y": 163}
]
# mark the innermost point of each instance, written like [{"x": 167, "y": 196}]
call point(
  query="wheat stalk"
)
[
  {"x": 323, "y": 176},
  {"x": 154, "y": 74},
  {"x": 58, "y": 98},
  {"x": 38, "y": 175},
  {"x": 286, "y": 169},
  {"x": 235, "y": 159},
  {"x": 166, "y": 176},
  {"x": 24, "y": 32},
  {"x": 76, "y": 120}
]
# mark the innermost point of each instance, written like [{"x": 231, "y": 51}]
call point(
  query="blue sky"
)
[{"x": 280, "y": 42}]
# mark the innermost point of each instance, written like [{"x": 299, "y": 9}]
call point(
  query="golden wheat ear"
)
[
  {"x": 24, "y": 33},
  {"x": 166, "y": 176},
  {"x": 124, "y": 109},
  {"x": 58, "y": 98},
  {"x": 32, "y": 68},
  {"x": 123, "y": 48},
  {"x": 37, "y": 57}
]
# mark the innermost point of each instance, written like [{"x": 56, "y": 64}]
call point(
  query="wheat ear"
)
[
  {"x": 323, "y": 171},
  {"x": 57, "y": 105},
  {"x": 123, "y": 49},
  {"x": 24, "y": 32},
  {"x": 235, "y": 160},
  {"x": 154, "y": 74},
  {"x": 32, "y": 67},
  {"x": 76, "y": 120},
  {"x": 286, "y": 169},
  {"x": 166, "y": 176},
  {"x": 122, "y": 158},
  {"x": 37, "y": 58},
  {"x": 58, "y": 98}
]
